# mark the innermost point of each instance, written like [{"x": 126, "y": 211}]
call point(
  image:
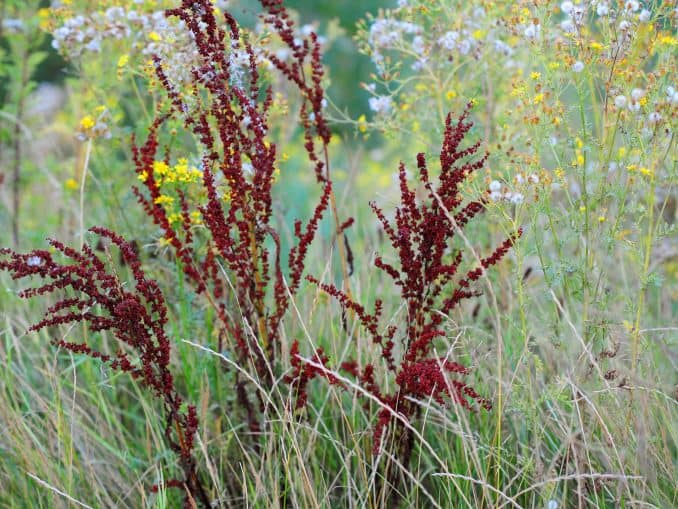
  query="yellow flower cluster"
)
[{"x": 180, "y": 173}]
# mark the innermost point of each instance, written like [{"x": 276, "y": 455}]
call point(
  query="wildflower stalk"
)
[
  {"x": 135, "y": 316},
  {"x": 83, "y": 179},
  {"x": 229, "y": 117},
  {"x": 17, "y": 162},
  {"x": 428, "y": 278},
  {"x": 647, "y": 257},
  {"x": 339, "y": 237}
]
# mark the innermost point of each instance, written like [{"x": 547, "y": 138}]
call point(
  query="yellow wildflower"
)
[
  {"x": 362, "y": 123},
  {"x": 160, "y": 168},
  {"x": 164, "y": 200},
  {"x": 71, "y": 184},
  {"x": 122, "y": 62},
  {"x": 87, "y": 122},
  {"x": 45, "y": 22},
  {"x": 647, "y": 172},
  {"x": 667, "y": 39},
  {"x": 174, "y": 218},
  {"x": 195, "y": 217}
]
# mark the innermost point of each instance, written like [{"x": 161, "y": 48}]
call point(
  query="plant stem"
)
[
  {"x": 337, "y": 223},
  {"x": 16, "y": 167},
  {"x": 83, "y": 177}
]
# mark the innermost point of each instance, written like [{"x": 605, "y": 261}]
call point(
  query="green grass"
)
[{"x": 574, "y": 338}]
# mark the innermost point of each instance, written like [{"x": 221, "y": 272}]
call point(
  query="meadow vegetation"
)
[{"x": 223, "y": 287}]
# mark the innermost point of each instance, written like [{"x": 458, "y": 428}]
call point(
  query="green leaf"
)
[{"x": 35, "y": 59}]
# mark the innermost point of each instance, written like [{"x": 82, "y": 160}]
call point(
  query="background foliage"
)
[{"x": 574, "y": 340}]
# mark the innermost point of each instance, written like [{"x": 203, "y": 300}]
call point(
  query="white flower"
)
[
  {"x": 495, "y": 185},
  {"x": 449, "y": 40},
  {"x": 578, "y": 66},
  {"x": 520, "y": 179},
  {"x": 567, "y": 7},
  {"x": 624, "y": 26},
  {"x": 503, "y": 48},
  {"x": 94, "y": 45},
  {"x": 578, "y": 13},
  {"x": 465, "y": 46},
  {"x": 632, "y": 6},
  {"x": 34, "y": 261},
  {"x": 282, "y": 54},
  {"x": 534, "y": 178},
  {"x": 101, "y": 130},
  {"x": 613, "y": 167},
  {"x": 620, "y": 101},
  {"x": 419, "y": 64},
  {"x": 602, "y": 9},
  {"x": 383, "y": 33},
  {"x": 418, "y": 45},
  {"x": 495, "y": 196},
  {"x": 567, "y": 26},
  {"x": 13, "y": 25},
  {"x": 380, "y": 104},
  {"x": 637, "y": 94},
  {"x": 552, "y": 504},
  {"x": 409, "y": 28},
  {"x": 644, "y": 15},
  {"x": 517, "y": 198},
  {"x": 115, "y": 13},
  {"x": 532, "y": 31}
]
